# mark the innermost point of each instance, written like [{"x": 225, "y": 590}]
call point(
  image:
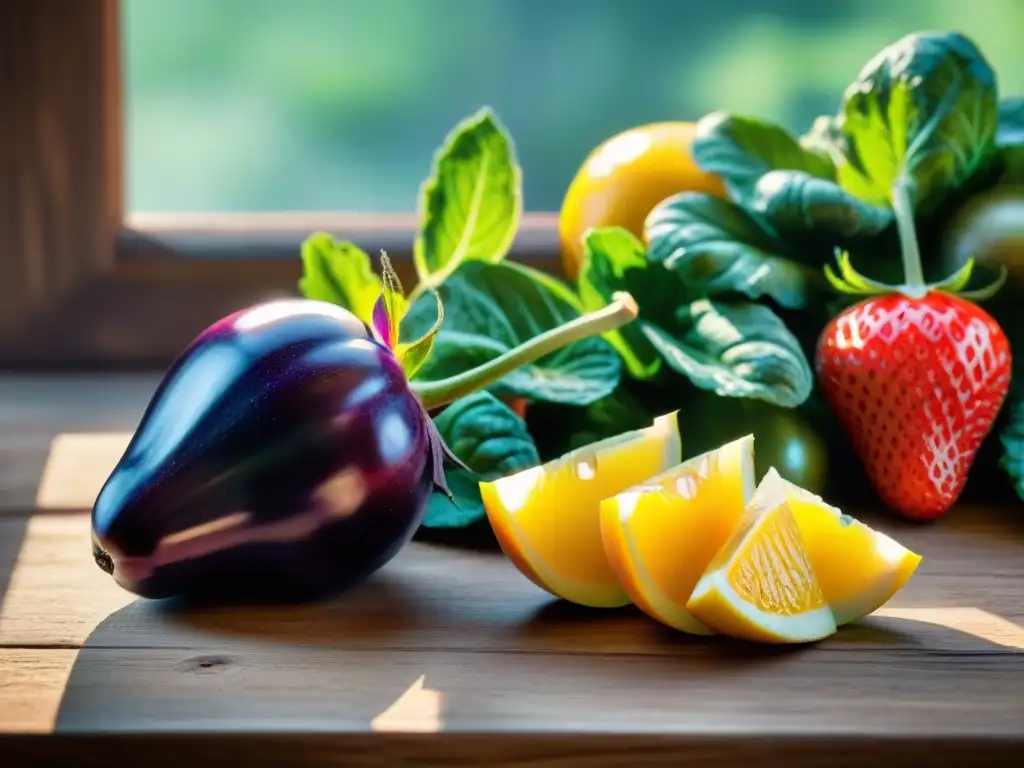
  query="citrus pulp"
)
[
  {"x": 547, "y": 518},
  {"x": 858, "y": 568},
  {"x": 660, "y": 535},
  {"x": 761, "y": 586}
]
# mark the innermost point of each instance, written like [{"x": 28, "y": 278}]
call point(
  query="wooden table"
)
[{"x": 450, "y": 657}]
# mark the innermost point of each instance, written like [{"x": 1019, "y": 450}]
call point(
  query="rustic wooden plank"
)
[
  {"x": 60, "y": 190},
  {"x": 279, "y": 235},
  {"x": 597, "y": 750},
  {"x": 445, "y": 641},
  {"x": 32, "y": 684},
  {"x": 291, "y": 687},
  {"x": 36, "y": 410},
  {"x": 449, "y": 598},
  {"x": 55, "y": 596}
]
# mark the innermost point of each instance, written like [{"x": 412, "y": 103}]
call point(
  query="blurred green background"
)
[{"x": 255, "y": 105}]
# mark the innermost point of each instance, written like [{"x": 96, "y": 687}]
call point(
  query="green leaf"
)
[
  {"x": 489, "y": 439},
  {"x": 923, "y": 111},
  {"x": 825, "y": 137},
  {"x": 716, "y": 247},
  {"x": 736, "y": 349},
  {"x": 732, "y": 348},
  {"x": 615, "y": 260},
  {"x": 1012, "y": 439},
  {"x": 338, "y": 272},
  {"x": 797, "y": 203},
  {"x": 491, "y": 309},
  {"x": 471, "y": 204},
  {"x": 789, "y": 184},
  {"x": 740, "y": 150},
  {"x": 414, "y": 354}
]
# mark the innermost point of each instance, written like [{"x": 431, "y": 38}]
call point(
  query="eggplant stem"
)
[{"x": 434, "y": 394}]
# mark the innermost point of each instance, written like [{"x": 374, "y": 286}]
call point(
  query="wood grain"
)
[
  {"x": 32, "y": 685},
  {"x": 449, "y": 641},
  {"x": 448, "y": 656},
  {"x": 60, "y": 190},
  {"x": 36, "y": 410},
  {"x": 713, "y": 750}
]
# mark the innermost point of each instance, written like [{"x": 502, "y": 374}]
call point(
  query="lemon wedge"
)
[
  {"x": 760, "y": 585},
  {"x": 659, "y": 536},
  {"x": 547, "y": 518},
  {"x": 859, "y": 568}
]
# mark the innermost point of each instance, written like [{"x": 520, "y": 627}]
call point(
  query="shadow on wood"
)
[
  {"x": 443, "y": 643},
  {"x": 552, "y": 674},
  {"x": 12, "y": 536}
]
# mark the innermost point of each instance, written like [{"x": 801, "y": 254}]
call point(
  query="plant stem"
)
[
  {"x": 913, "y": 275},
  {"x": 434, "y": 394}
]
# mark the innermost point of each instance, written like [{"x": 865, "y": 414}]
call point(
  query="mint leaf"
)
[
  {"x": 615, "y": 260},
  {"x": 922, "y": 111},
  {"x": 340, "y": 273},
  {"x": 735, "y": 349},
  {"x": 716, "y": 247},
  {"x": 491, "y": 309},
  {"x": 489, "y": 439},
  {"x": 740, "y": 150},
  {"x": 471, "y": 204}
]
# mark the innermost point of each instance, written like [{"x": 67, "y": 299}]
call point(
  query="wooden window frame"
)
[{"x": 83, "y": 285}]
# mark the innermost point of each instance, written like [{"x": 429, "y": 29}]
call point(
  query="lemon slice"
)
[
  {"x": 761, "y": 586},
  {"x": 659, "y": 536},
  {"x": 859, "y": 568},
  {"x": 547, "y": 518}
]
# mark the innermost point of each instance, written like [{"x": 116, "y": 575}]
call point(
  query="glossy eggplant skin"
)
[{"x": 282, "y": 457}]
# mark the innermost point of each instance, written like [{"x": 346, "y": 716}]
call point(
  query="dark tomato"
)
[{"x": 783, "y": 438}]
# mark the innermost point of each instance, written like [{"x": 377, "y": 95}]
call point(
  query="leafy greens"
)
[
  {"x": 730, "y": 346},
  {"x": 731, "y": 290},
  {"x": 921, "y": 124}
]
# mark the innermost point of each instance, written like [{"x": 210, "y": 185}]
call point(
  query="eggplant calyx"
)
[
  {"x": 439, "y": 454},
  {"x": 103, "y": 560}
]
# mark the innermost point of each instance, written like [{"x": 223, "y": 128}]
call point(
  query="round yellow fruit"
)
[{"x": 624, "y": 178}]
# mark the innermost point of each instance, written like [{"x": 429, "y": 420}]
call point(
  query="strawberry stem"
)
[
  {"x": 902, "y": 206},
  {"x": 849, "y": 281}
]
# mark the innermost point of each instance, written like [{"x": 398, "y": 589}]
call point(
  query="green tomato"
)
[{"x": 783, "y": 437}]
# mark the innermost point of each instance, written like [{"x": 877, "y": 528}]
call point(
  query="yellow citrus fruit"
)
[
  {"x": 624, "y": 178},
  {"x": 660, "y": 535},
  {"x": 547, "y": 518},
  {"x": 858, "y": 568},
  {"x": 761, "y": 586}
]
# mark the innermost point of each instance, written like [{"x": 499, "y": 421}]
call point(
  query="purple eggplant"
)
[{"x": 285, "y": 454}]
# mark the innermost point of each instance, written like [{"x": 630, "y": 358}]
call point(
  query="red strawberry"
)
[{"x": 916, "y": 384}]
